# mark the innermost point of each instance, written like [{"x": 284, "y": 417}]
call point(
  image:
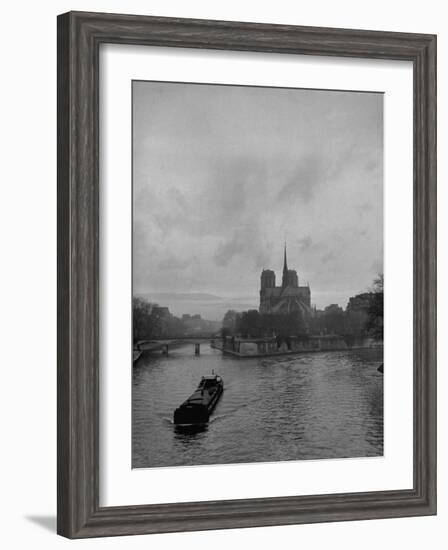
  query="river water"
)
[{"x": 308, "y": 406}]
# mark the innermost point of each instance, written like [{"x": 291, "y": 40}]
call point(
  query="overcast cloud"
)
[{"x": 222, "y": 175}]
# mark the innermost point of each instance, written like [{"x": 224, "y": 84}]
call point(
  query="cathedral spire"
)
[{"x": 285, "y": 269}]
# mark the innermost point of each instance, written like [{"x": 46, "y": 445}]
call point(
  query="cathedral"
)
[{"x": 286, "y": 298}]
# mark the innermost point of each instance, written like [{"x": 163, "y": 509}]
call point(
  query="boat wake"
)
[{"x": 230, "y": 412}]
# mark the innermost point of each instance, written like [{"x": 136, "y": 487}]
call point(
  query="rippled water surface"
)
[{"x": 309, "y": 406}]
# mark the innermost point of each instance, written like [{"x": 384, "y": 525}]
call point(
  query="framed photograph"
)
[{"x": 246, "y": 274}]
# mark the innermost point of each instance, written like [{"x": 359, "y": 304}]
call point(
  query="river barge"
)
[{"x": 198, "y": 407}]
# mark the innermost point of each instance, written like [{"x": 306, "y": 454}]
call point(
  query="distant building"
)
[
  {"x": 161, "y": 311},
  {"x": 288, "y": 297},
  {"x": 194, "y": 324},
  {"x": 334, "y": 308}
]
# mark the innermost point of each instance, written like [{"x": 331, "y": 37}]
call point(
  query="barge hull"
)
[{"x": 198, "y": 407}]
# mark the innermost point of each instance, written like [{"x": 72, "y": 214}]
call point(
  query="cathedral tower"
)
[{"x": 267, "y": 278}]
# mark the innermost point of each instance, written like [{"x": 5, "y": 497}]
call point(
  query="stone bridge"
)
[{"x": 165, "y": 344}]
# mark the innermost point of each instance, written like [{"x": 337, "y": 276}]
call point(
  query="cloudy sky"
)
[{"x": 222, "y": 175}]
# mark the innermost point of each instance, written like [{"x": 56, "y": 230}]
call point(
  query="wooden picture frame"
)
[{"x": 79, "y": 38}]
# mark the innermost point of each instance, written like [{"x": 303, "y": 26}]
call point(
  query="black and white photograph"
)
[
  {"x": 222, "y": 243},
  {"x": 257, "y": 274}
]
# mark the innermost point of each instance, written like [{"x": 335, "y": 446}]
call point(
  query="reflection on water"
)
[{"x": 309, "y": 406}]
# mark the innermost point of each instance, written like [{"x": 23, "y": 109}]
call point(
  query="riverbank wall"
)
[{"x": 247, "y": 348}]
